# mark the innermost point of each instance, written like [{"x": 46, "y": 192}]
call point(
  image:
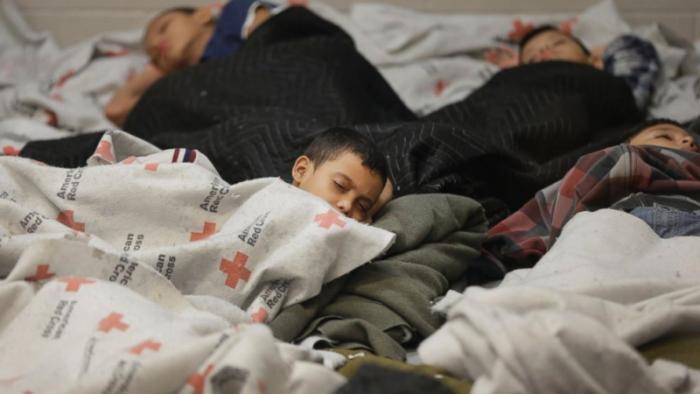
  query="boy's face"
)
[
  {"x": 666, "y": 135},
  {"x": 169, "y": 38},
  {"x": 344, "y": 182},
  {"x": 553, "y": 45}
]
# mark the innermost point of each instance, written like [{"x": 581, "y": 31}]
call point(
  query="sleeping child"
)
[
  {"x": 629, "y": 57},
  {"x": 643, "y": 177},
  {"x": 344, "y": 168},
  {"x": 665, "y": 133},
  {"x": 184, "y": 36}
]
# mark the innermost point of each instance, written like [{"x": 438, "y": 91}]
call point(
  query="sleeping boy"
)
[
  {"x": 184, "y": 36},
  {"x": 344, "y": 168},
  {"x": 629, "y": 57},
  {"x": 666, "y": 133}
]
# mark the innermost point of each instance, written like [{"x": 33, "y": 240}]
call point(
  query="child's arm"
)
[
  {"x": 128, "y": 95},
  {"x": 503, "y": 57},
  {"x": 635, "y": 60}
]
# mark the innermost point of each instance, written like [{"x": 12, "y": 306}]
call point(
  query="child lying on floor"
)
[
  {"x": 666, "y": 133},
  {"x": 184, "y": 36},
  {"x": 629, "y": 57},
  {"x": 657, "y": 185},
  {"x": 344, "y": 168}
]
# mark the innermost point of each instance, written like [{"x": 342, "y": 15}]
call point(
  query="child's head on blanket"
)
[
  {"x": 666, "y": 133},
  {"x": 346, "y": 169},
  {"x": 549, "y": 43},
  {"x": 177, "y": 36}
]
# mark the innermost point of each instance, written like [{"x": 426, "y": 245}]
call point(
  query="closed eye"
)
[{"x": 340, "y": 187}]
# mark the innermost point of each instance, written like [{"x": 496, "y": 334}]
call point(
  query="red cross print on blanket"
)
[
  {"x": 42, "y": 272},
  {"x": 113, "y": 321},
  {"x": 147, "y": 344},
  {"x": 235, "y": 269},
  {"x": 328, "y": 219}
]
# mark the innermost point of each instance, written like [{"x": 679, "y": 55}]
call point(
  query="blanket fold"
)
[{"x": 385, "y": 304}]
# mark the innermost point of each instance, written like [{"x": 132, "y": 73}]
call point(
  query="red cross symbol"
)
[
  {"x": 147, "y": 344},
  {"x": 104, "y": 150},
  {"x": 259, "y": 316},
  {"x": 328, "y": 219},
  {"x": 113, "y": 320},
  {"x": 151, "y": 167},
  {"x": 235, "y": 269},
  {"x": 73, "y": 283},
  {"x": 42, "y": 272},
  {"x": 209, "y": 229},
  {"x": 520, "y": 29},
  {"x": 197, "y": 380},
  {"x": 440, "y": 86},
  {"x": 66, "y": 217},
  {"x": 567, "y": 26},
  {"x": 9, "y": 150}
]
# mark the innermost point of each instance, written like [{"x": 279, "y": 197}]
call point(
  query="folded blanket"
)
[
  {"x": 597, "y": 181},
  {"x": 259, "y": 245},
  {"x": 385, "y": 304}
]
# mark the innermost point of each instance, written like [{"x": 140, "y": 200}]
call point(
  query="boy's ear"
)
[
  {"x": 303, "y": 166},
  {"x": 203, "y": 15}
]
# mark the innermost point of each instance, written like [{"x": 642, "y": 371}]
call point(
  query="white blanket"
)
[
  {"x": 74, "y": 334},
  {"x": 434, "y": 60},
  {"x": 609, "y": 283},
  {"x": 60, "y": 91},
  {"x": 261, "y": 244},
  {"x": 141, "y": 272}
]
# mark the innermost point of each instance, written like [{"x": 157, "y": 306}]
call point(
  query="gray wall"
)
[{"x": 72, "y": 20}]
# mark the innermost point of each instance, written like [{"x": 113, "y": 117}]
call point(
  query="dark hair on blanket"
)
[
  {"x": 544, "y": 28},
  {"x": 333, "y": 142}
]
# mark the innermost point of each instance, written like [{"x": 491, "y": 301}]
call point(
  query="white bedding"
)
[
  {"x": 434, "y": 60},
  {"x": 145, "y": 267},
  {"x": 608, "y": 284},
  {"x": 430, "y": 60},
  {"x": 58, "y": 91}
]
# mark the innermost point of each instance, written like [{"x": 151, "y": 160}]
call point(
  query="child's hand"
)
[
  {"x": 503, "y": 57},
  {"x": 597, "y": 56},
  {"x": 126, "y": 97}
]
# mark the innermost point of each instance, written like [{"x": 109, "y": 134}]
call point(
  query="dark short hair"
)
[
  {"x": 545, "y": 28},
  {"x": 333, "y": 142},
  {"x": 180, "y": 10}
]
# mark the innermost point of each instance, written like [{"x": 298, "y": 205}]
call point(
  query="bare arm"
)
[{"x": 128, "y": 95}]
